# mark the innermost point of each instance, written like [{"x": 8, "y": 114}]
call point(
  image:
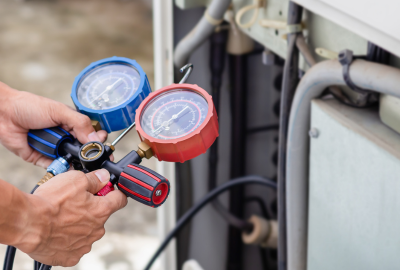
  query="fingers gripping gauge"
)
[
  {"x": 110, "y": 90},
  {"x": 178, "y": 122}
]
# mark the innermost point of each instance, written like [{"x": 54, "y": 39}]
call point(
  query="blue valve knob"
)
[{"x": 48, "y": 140}]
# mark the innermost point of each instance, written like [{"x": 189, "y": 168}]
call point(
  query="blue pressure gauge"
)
[{"x": 110, "y": 91}]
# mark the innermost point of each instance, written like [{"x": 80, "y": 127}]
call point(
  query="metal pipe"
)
[
  {"x": 123, "y": 134},
  {"x": 373, "y": 76},
  {"x": 200, "y": 32},
  {"x": 305, "y": 50},
  {"x": 184, "y": 190},
  {"x": 289, "y": 83},
  {"x": 188, "y": 68}
]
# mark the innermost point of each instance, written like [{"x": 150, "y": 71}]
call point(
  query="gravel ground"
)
[{"x": 43, "y": 46}]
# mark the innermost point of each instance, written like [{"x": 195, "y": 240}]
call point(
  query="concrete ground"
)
[{"x": 43, "y": 46}]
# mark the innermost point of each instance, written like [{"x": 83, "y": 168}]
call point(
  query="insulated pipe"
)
[
  {"x": 200, "y": 33},
  {"x": 373, "y": 76},
  {"x": 238, "y": 80},
  {"x": 304, "y": 50},
  {"x": 289, "y": 84}
]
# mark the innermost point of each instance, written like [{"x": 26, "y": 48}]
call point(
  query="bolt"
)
[
  {"x": 158, "y": 193},
  {"x": 268, "y": 58},
  {"x": 314, "y": 133}
]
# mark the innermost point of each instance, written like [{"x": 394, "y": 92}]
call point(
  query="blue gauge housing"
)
[{"x": 122, "y": 115}]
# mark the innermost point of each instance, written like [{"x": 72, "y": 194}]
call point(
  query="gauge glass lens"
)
[
  {"x": 108, "y": 86},
  {"x": 174, "y": 114}
]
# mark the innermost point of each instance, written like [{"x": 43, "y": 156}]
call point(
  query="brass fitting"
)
[
  {"x": 96, "y": 125},
  {"x": 112, "y": 147},
  {"x": 92, "y": 147},
  {"x": 264, "y": 233},
  {"x": 144, "y": 151},
  {"x": 45, "y": 178}
]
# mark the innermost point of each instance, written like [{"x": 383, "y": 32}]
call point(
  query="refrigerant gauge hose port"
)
[{"x": 91, "y": 151}]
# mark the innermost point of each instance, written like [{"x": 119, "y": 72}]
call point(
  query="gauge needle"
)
[
  {"x": 108, "y": 88},
  {"x": 166, "y": 124}
]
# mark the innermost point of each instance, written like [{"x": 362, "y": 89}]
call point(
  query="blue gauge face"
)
[{"x": 108, "y": 86}]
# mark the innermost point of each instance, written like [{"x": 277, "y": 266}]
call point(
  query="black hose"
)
[
  {"x": 184, "y": 200},
  {"x": 9, "y": 258},
  {"x": 238, "y": 94},
  {"x": 263, "y": 128},
  {"x": 204, "y": 201},
  {"x": 36, "y": 265},
  {"x": 232, "y": 220},
  {"x": 377, "y": 54},
  {"x": 45, "y": 267},
  {"x": 217, "y": 64},
  {"x": 290, "y": 80},
  {"x": 260, "y": 203},
  {"x": 34, "y": 189}
]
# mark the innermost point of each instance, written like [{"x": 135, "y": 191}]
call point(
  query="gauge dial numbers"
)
[
  {"x": 110, "y": 91},
  {"x": 178, "y": 122},
  {"x": 174, "y": 115},
  {"x": 108, "y": 86}
]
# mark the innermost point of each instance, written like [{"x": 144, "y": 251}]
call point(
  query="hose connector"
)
[
  {"x": 45, "y": 178},
  {"x": 59, "y": 165},
  {"x": 264, "y": 233}
]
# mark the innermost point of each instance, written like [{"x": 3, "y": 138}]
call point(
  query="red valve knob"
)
[
  {"x": 143, "y": 185},
  {"x": 106, "y": 189}
]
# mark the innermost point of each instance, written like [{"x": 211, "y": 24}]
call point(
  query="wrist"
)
[{"x": 13, "y": 220}]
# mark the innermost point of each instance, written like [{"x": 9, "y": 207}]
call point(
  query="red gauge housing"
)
[{"x": 189, "y": 146}]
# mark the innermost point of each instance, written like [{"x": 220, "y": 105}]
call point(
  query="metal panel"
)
[
  {"x": 163, "y": 76},
  {"x": 208, "y": 235},
  {"x": 382, "y": 15},
  {"x": 208, "y": 242},
  {"x": 185, "y": 4},
  {"x": 376, "y": 21},
  {"x": 319, "y": 31},
  {"x": 354, "y": 182}
]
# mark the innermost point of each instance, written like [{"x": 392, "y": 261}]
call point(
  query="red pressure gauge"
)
[{"x": 178, "y": 122}]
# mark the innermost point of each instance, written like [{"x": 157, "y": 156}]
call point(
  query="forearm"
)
[{"x": 14, "y": 205}]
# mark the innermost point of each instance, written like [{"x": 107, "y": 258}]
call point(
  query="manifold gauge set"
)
[{"x": 175, "y": 123}]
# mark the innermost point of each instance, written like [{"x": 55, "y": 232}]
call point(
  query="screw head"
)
[
  {"x": 314, "y": 133},
  {"x": 158, "y": 193}
]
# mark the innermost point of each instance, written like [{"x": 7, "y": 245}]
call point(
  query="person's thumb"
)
[{"x": 97, "y": 180}]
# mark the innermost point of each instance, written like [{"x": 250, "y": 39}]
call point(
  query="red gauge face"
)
[
  {"x": 178, "y": 122},
  {"x": 174, "y": 114}
]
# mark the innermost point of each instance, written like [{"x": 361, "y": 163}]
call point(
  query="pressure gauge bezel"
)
[
  {"x": 190, "y": 145},
  {"x": 120, "y": 116}
]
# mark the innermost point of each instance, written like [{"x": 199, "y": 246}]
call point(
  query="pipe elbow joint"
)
[{"x": 264, "y": 233}]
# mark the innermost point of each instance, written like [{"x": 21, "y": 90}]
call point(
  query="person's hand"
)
[
  {"x": 65, "y": 218},
  {"x": 21, "y": 111}
]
